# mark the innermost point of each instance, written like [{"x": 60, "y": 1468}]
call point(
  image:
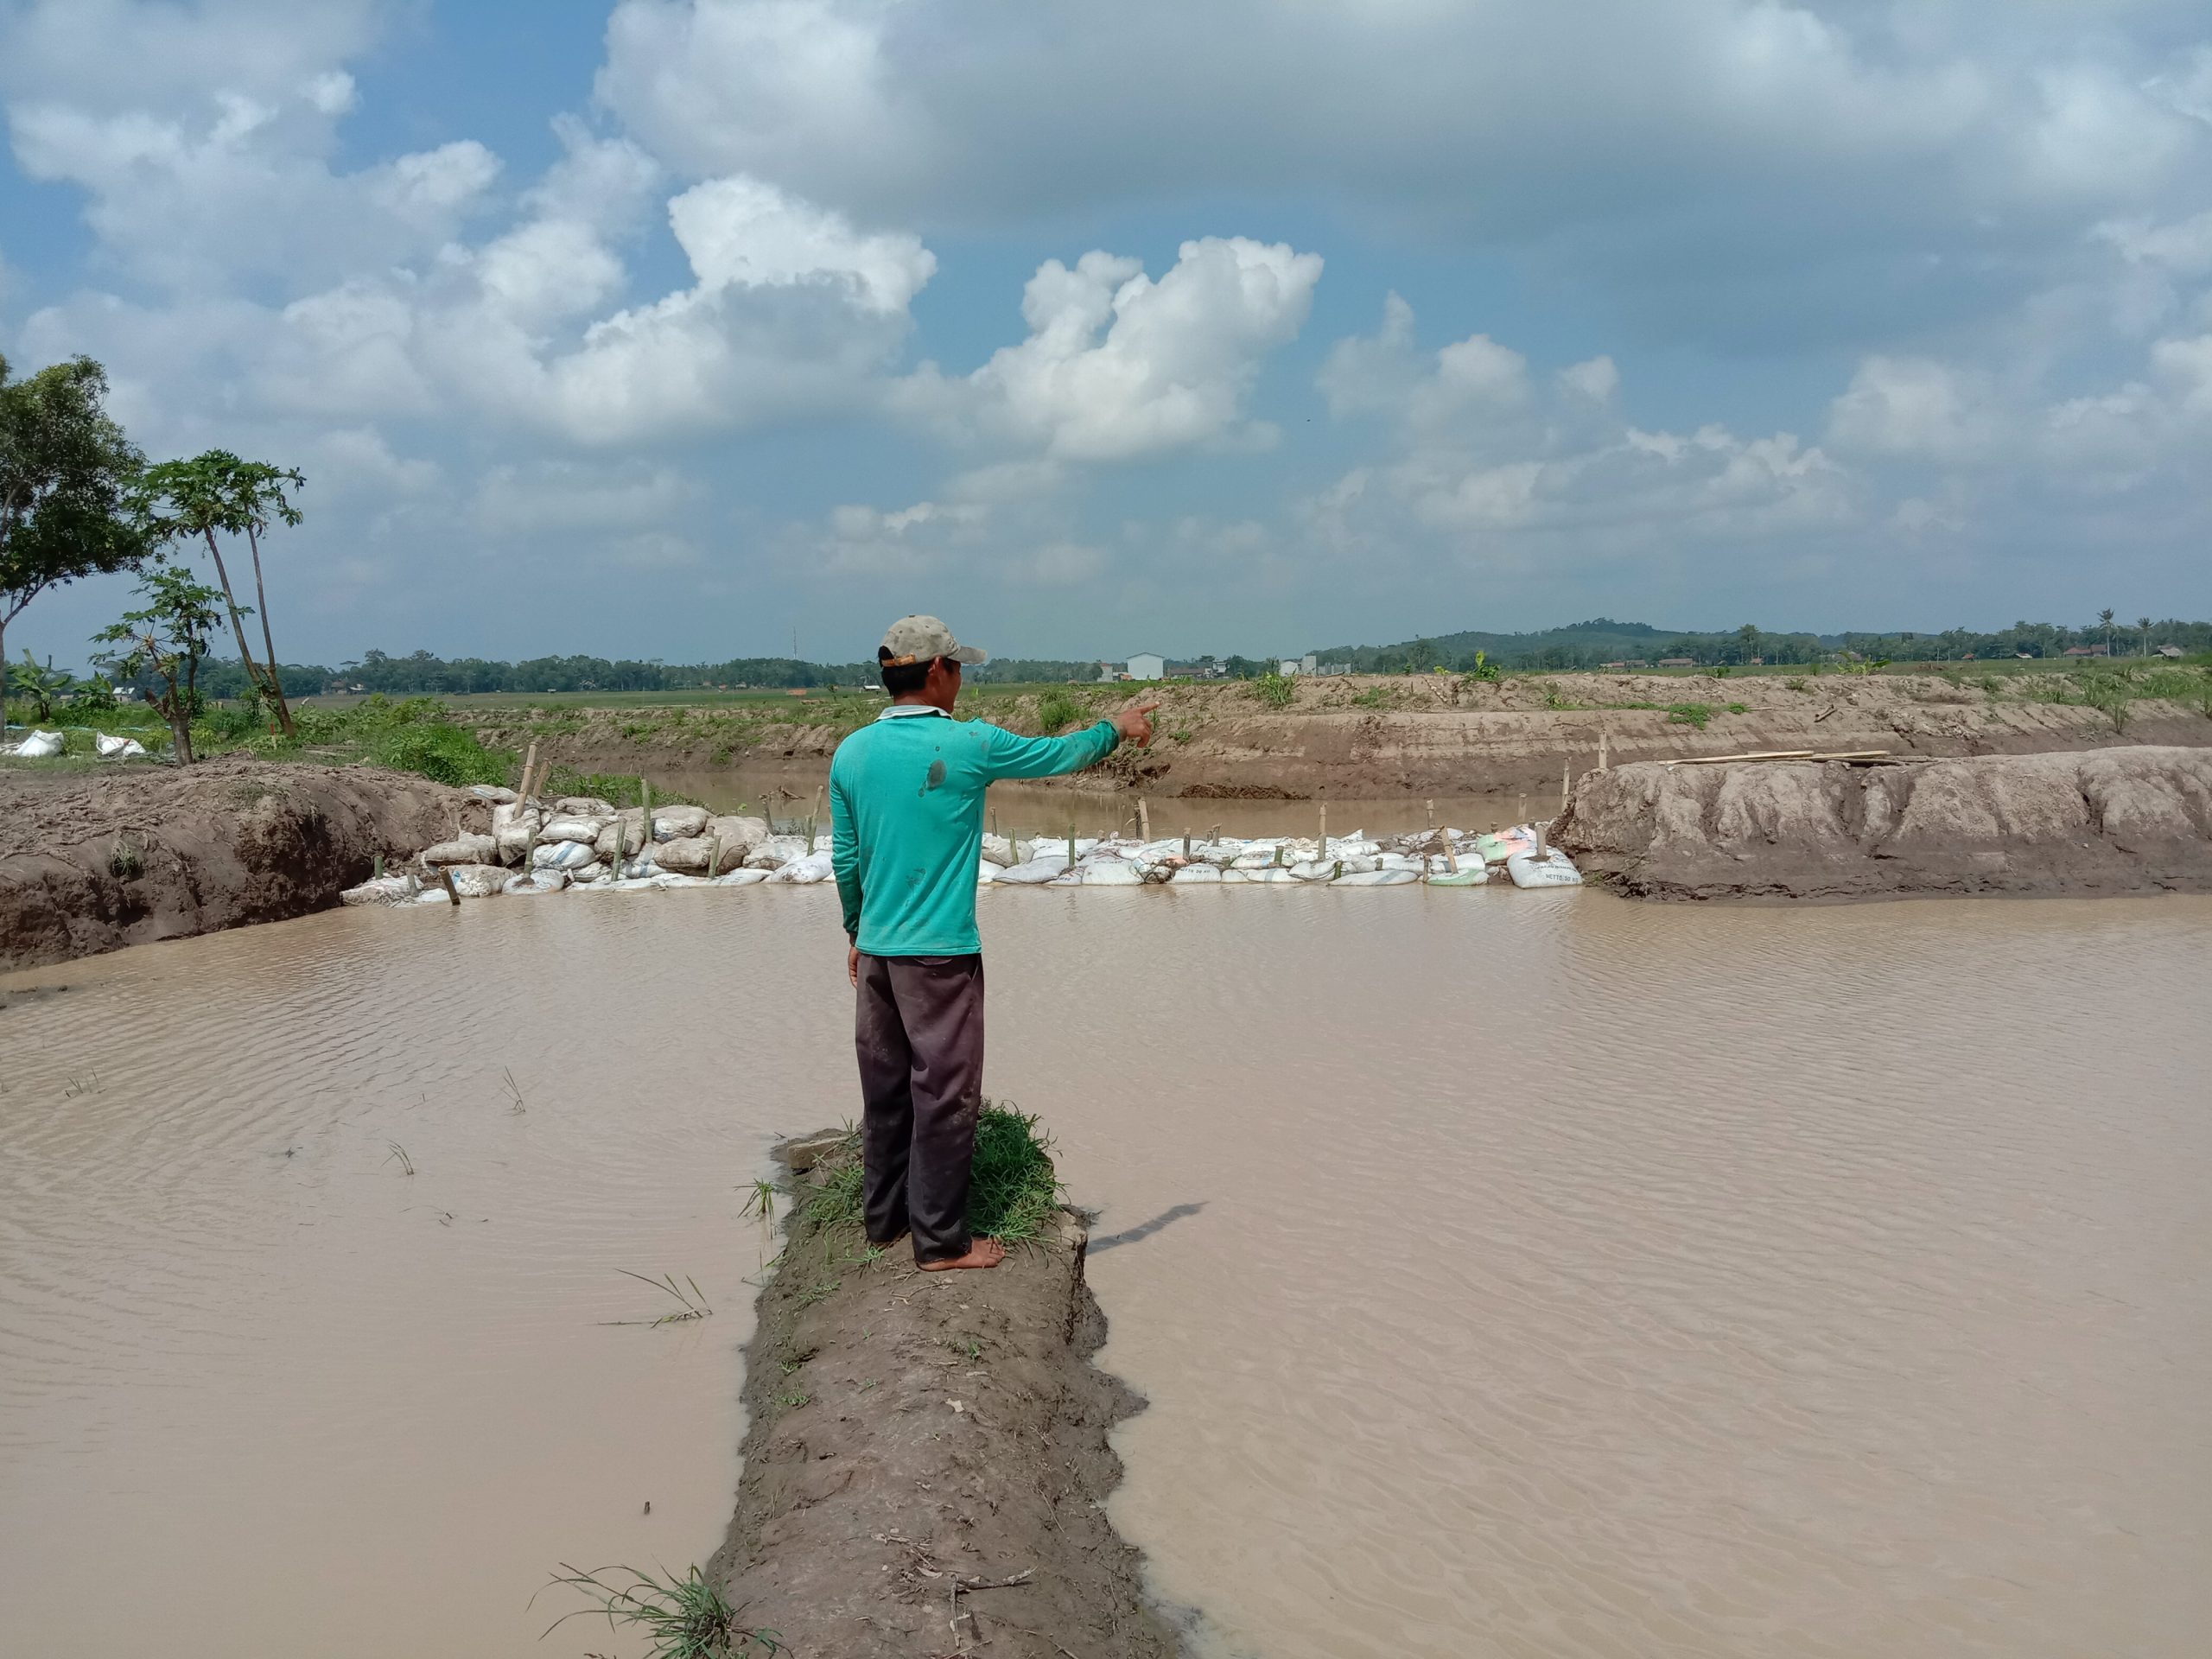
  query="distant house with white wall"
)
[
  {"x": 1290, "y": 665},
  {"x": 1148, "y": 665}
]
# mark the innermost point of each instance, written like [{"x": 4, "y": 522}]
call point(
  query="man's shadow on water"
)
[{"x": 1145, "y": 1230}]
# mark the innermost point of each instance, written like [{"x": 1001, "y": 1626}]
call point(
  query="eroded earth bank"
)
[
  {"x": 2132, "y": 820},
  {"x": 94, "y": 861},
  {"x": 927, "y": 1464}
]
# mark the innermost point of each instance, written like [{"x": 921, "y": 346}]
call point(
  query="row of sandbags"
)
[
  {"x": 557, "y": 855},
  {"x": 581, "y": 841},
  {"x": 1447, "y": 857}
]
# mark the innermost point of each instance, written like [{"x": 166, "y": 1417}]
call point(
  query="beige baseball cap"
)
[{"x": 917, "y": 638}]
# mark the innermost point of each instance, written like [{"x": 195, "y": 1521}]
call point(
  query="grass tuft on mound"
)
[{"x": 1016, "y": 1188}]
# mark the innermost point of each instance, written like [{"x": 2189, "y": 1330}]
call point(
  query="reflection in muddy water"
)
[{"x": 1509, "y": 1274}]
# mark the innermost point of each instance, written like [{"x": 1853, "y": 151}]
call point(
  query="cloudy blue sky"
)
[{"x": 672, "y": 327}]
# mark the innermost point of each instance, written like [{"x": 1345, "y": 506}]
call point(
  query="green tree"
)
[
  {"x": 64, "y": 472},
  {"x": 2104, "y": 620},
  {"x": 1747, "y": 642},
  {"x": 40, "y": 687},
  {"x": 170, "y": 637},
  {"x": 1420, "y": 656},
  {"x": 218, "y": 495},
  {"x": 2144, "y": 622}
]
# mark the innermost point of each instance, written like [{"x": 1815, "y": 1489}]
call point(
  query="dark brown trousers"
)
[{"x": 919, "y": 1029}]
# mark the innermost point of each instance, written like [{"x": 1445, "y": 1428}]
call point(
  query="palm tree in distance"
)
[
  {"x": 2144, "y": 622},
  {"x": 2105, "y": 617}
]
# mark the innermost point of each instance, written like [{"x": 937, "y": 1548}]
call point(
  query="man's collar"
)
[{"x": 899, "y": 710}]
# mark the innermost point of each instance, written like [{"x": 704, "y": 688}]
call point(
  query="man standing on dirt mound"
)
[{"x": 907, "y": 834}]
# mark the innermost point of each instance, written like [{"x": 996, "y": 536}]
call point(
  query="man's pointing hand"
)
[{"x": 1134, "y": 723}]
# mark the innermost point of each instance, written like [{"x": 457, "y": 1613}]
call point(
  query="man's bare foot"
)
[{"x": 984, "y": 1253}]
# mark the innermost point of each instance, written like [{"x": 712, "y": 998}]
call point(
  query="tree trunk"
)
[
  {"x": 261, "y": 594},
  {"x": 230, "y": 603}
]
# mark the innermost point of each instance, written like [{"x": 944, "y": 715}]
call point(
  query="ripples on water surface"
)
[{"x": 1525, "y": 1273}]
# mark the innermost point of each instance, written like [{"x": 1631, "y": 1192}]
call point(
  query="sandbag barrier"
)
[{"x": 579, "y": 841}]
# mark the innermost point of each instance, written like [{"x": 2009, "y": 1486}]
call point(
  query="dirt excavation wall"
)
[
  {"x": 94, "y": 862},
  {"x": 2130, "y": 820},
  {"x": 927, "y": 1464},
  {"x": 1377, "y": 735}
]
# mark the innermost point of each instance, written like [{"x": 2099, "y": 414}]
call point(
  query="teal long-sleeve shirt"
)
[{"x": 906, "y": 822}]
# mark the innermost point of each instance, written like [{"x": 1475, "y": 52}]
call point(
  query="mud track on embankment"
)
[
  {"x": 927, "y": 1464},
  {"x": 1379, "y": 736}
]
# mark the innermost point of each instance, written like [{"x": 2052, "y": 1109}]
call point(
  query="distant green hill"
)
[{"x": 1602, "y": 640}]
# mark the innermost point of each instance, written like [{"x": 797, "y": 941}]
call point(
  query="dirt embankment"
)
[
  {"x": 927, "y": 1464},
  {"x": 2132, "y": 820},
  {"x": 1372, "y": 736},
  {"x": 94, "y": 862}
]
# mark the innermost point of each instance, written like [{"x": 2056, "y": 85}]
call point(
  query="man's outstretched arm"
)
[
  {"x": 1052, "y": 757},
  {"x": 845, "y": 865}
]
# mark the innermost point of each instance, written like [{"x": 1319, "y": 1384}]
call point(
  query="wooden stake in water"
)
[
  {"x": 1144, "y": 819},
  {"x": 1562, "y": 784},
  {"x": 621, "y": 846},
  {"x": 1070, "y": 843},
  {"x": 376, "y": 873},
  {"x": 528, "y": 765},
  {"x": 453, "y": 892},
  {"x": 1186, "y": 843},
  {"x": 1324, "y": 829},
  {"x": 645, "y": 811},
  {"x": 715, "y": 855},
  {"x": 1520, "y": 812}
]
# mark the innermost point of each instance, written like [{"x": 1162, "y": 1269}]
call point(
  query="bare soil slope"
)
[
  {"x": 94, "y": 862},
  {"x": 927, "y": 1464},
  {"x": 2129, "y": 820},
  {"x": 1412, "y": 735}
]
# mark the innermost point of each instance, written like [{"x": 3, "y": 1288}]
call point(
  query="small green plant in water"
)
[
  {"x": 681, "y": 1618},
  {"x": 688, "y": 1307}
]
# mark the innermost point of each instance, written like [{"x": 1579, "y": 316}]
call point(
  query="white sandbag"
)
[
  {"x": 496, "y": 794},
  {"x": 431, "y": 896},
  {"x": 1103, "y": 873},
  {"x": 462, "y": 849},
  {"x": 116, "y": 749},
  {"x": 667, "y": 879},
  {"x": 583, "y": 806},
  {"x": 805, "y": 869},
  {"x": 514, "y": 828},
  {"x": 1224, "y": 852},
  {"x": 776, "y": 851},
  {"x": 1471, "y": 872},
  {"x": 740, "y": 835},
  {"x": 1553, "y": 870},
  {"x": 1257, "y": 855},
  {"x": 1269, "y": 877},
  {"x": 627, "y": 884},
  {"x": 1035, "y": 872},
  {"x": 677, "y": 823},
  {"x": 536, "y": 881},
  {"x": 566, "y": 827},
  {"x": 986, "y": 871},
  {"x": 1387, "y": 859},
  {"x": 997, "y": 849},
  {"x": 383, "y": 890},
  {"x": 741, "y": 878},
  {"x": 591, "y": 872},
  {"x": 570, "y": 855},
  {"x": 1378, "y": 879},
  {"x": 40, "y": 745},
  {"x": 477, "y": 880},
  {"x": 687, "y": 854},
  {"x": 1194, "y": 875},
  {"x": 626, "y": 828}
]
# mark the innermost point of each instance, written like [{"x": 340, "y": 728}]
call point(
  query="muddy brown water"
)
[
  {"x": 1510, "y": 1274},
  {"x": 790, "y": 793}
]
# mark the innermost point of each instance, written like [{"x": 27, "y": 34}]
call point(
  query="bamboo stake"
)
[
  {"x": 715, "y": 855},
  {"x": 445, "y": 874},
  {"x": 1562, "y": 783},
  {"x": 1324, "y": 829},
  {"x": 645, "y": 811},
  {"x": 1070, "y": 843},
  {"x": 1186, "y": 843},
  {"x": 529, "y": 765},
  {"x": 621, "y": 846},
  {"x": 1602, "y": 766},
  {"x": 1144, "y": 819}
]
